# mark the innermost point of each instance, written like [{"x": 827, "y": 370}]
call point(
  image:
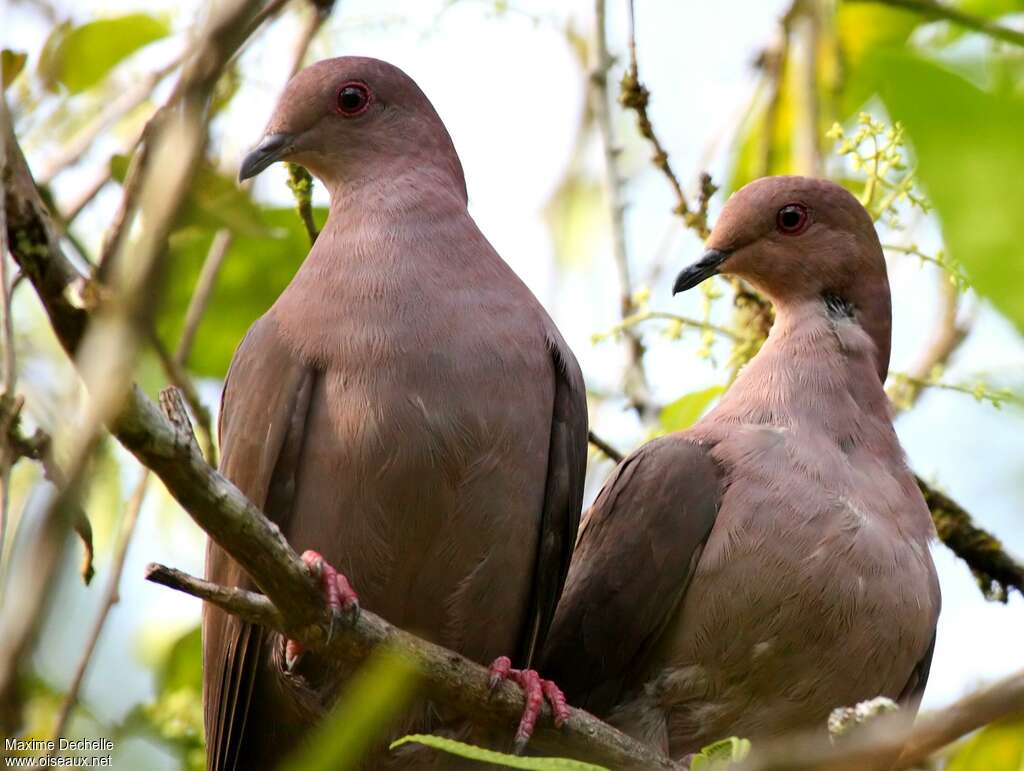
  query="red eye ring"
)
[
  {"x": 353, "y": 98},
  {"x": 793, "y": 219}
]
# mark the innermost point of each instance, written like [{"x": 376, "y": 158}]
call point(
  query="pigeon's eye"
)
[
  {"x": 353, "y": 99},
  {"x": 792, "y": 219}
]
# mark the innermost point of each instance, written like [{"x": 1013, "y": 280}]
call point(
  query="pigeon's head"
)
[
  {"x": 802, "y": 240},
  {"x": 792, "y": 238},
  {"x": 353, "y": 119}
]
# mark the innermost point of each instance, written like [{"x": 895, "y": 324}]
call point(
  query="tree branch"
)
[
  {"x": 459, "y": 682},
  {"x": 995, "y": 571},
  {"x": 876, "y": 743},
  {"x": 635, "y": 378},
  {"x": 249, "y": 606},
  {"x": 939, "y": 12},
  {"x": 169, "y": 449}
]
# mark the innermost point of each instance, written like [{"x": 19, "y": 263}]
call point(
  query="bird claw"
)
[
  {"x": 537, "y": 691},
  {"x": 339, "y": 595}
]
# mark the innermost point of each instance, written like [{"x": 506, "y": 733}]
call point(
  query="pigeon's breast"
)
[{"x": 806, "y": 597}]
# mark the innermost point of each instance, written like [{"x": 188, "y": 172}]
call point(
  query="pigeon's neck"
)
[
  {"x": 818, "y": 371},
  {"x": 399, "y": 185}
]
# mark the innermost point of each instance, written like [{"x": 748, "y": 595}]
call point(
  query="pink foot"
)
[
  {"x": 536, "y": 690},
  {"x": 338, "y": 594}
]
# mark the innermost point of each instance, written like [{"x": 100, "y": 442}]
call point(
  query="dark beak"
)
[
  {"x": 706, "y": 267},
  {"x": 271, "y": 148}
]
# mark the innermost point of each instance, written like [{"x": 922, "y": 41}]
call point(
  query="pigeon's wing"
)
[
  {"x": 262, "y": 427},
  {"x": 639, "y": 545},
  {"x": 910, "y": 697},
  {"x": 563, "y": 494}
]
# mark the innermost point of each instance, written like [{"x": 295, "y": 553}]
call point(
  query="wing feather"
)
[
  {"x": 262, "y": 429},
  {"x": 637, "y": 550}
]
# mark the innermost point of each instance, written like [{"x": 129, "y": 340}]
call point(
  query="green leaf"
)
[
  {"x": 80, "y": 57},
  {"x": 997, "y": 747},
  {"x": 377, "y": 694},
  {"x": 721, "y": 754},
  {"x": 182, "y": 666},
  {"x": 255, "y": 271},
  {"x": 13, "y": 64},
  {"x": 685, "y": 411},
  {"x": 967, "y": 143},
  {"x": 214, "y": 201},
  {"x": 470, "y": 752},
  {"x": 864, "y": 29}
]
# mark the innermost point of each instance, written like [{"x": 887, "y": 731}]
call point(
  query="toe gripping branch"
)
[
  {"x": 537, "y": 690},
  {"x": 339, "y": 596}
]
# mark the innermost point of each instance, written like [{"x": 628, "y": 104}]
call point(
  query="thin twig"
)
[
  {"x": 249, "y": 606},
  {"x": 949, "y": 334},
  {"x": 300, "y": 182},
  {"x": 320, "y": 11},
  {"x": 686, "y": 321},
  {"x": 635, "y": 379},
  {"x": 39, "y": 448},
  {"x": 110, "y": 598},
  {"x": 202, "y": 293},
  {"x": 610, "y": 452},
  {"x": 85, "y": 197},
  {"x": 179, "y": 377},
  {"x": 940, "y": 12},
  {"x": 634, "y": 95}
]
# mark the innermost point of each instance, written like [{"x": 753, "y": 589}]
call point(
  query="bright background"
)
[{"x": 510, "y": 84}]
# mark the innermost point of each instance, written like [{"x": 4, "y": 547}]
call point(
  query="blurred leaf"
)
[
  {"x": 574, "y": 215},
  {"x": 119, "y": 167},
  {"x": 721, "y": 754},
  {"x": 256, "y": 270},
  {"x": 176, "y": 714},
  {"x": 182, "y": 667},
  {"x": 225, "y": 89},
  {"x": 80, "y": 57},
  {"x": 864, "y": 29},
  {"x": 967, "y": 143},
  {"x": 764, "y": 142},
  {"x": 686, "y": 410},
  {"x": 749, "y": 148},
  {"x": 463, "y": 750},
  {"x": 375, "y": 696},
  {"x": 997, "y": 747},
  {"x": 214, "y": 201},
  {"x": 13, "y": 64}
]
